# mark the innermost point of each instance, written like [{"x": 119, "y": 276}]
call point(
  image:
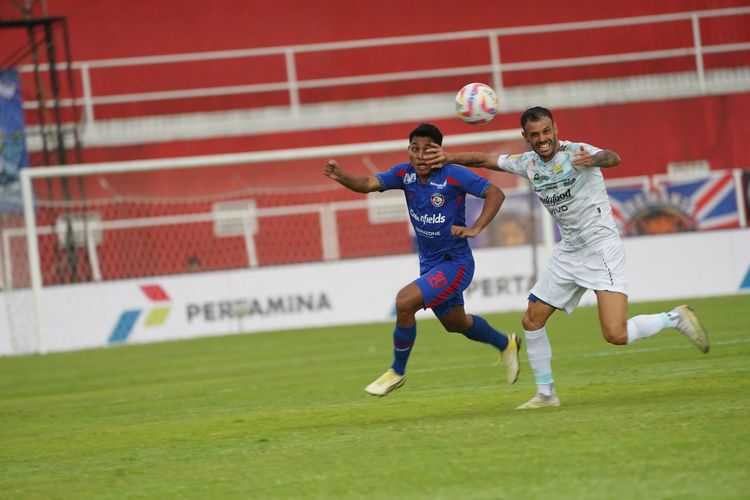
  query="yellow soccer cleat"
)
[
  {"x": 540, "y": 401},
  {"x": 510, "y": 357},
  {"x": 387, "y": 382},
  {"x": 690, "y": 327}
]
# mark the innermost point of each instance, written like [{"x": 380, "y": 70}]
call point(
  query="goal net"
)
[{"x": 90, "y": 224}]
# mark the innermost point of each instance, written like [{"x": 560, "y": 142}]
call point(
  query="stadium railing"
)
[{"x": 691, "y": 43}]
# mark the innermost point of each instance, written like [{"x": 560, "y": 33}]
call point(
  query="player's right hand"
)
[{"x": 333, "y": 170}]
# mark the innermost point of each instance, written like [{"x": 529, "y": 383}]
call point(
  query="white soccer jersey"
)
[{"x": 575, "y": 196}]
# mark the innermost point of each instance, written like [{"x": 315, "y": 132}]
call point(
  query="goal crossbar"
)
[{"x": 77, "y": 170}]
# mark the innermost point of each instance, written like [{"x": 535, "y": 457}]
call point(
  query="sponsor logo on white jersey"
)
[
  {"x": 556, "y": 198},
  {"x": 540, "y": 177}
]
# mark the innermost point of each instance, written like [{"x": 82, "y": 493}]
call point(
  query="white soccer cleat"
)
[
  {"x": 387, "y": 382},
  {"x": 689, "y": 326},
  {"x": 510, "y": 357},
  {"x": 540, "y": 401}
]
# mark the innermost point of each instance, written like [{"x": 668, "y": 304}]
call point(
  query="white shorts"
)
[{"x": 569, "y": 274}]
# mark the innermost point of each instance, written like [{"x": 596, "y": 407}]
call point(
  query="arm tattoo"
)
[
  {"x": 606, "y": 158},
  {"x": 470, "y": 159}
]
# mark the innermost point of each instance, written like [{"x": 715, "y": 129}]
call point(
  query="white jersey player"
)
[
  {"x": 567, "y": 178},
  {"x": 576, "y": 197}
]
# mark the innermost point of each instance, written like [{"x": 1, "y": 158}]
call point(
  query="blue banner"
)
[{"x": 13, "y": 154}]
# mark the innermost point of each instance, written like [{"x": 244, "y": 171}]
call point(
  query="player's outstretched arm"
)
[
  {"x": 358, "y": 183},
  {"x": 436, "y": 157},
  {"x": 604, "y": 159},
  {"x": 493, "y": 200}
]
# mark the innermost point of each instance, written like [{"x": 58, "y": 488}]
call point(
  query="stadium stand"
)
[{"x": 645, "y": 74}]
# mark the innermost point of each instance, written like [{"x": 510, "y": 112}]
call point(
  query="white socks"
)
[
  {"x": 646, "y": 325},
  {"x": 539, "y": 352}
]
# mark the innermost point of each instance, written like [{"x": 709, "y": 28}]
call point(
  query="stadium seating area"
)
[
  {"x": 149, "y": 91},
  {"x": 622, "y": 77}
]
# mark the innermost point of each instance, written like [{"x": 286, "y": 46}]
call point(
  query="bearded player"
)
[{"x": 567, "y": 178}]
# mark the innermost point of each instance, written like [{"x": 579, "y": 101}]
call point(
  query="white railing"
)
[
  {"x": 495, "y": 66},
  {"x": 89, "y": 231},
  {"x": 244, "y": 222}
]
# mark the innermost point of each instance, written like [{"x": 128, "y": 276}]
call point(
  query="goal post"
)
[{"x": 93, "y": 223}]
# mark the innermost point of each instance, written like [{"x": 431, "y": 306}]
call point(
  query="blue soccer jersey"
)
[{"x": 436, "y": 206}]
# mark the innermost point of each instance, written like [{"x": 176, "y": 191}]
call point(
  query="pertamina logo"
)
[{"x": 157, "y": 314}]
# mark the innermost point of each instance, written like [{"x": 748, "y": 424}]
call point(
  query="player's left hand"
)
[
  {"x": 464, "y": 232},
  {"x": 434, "y": 156}
]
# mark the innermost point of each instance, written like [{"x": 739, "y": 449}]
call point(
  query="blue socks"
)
[
  {"x": 481, "y": 331},
  {"x": 403, "y": 340}
]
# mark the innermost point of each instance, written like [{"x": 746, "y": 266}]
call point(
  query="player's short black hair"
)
[
  {"x": 535, "y": 114},
  {"x": 427, "y": 130}
]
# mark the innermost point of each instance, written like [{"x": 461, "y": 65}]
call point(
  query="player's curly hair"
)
[
  {"x": 427, "y": 130},
  {"x": 535, "y": 114}
]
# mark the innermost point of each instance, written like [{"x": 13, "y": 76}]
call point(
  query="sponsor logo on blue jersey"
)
[{"x": 427, "y": 219}]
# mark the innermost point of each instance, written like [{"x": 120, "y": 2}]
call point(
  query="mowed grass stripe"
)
[{"x": 283, "y": 415}]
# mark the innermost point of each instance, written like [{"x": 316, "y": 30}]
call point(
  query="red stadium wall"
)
[
  {"x": 109, "y": 28},
  {"x": 648, "y": 135},
  {"x": 664, "y": 131},
  {"x": 106, "y": 30}
]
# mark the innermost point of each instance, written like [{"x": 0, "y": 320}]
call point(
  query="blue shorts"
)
[{"x": 443, "y": 284}]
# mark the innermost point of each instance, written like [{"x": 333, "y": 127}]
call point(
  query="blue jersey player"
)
[{"x": 436, "y": 203}]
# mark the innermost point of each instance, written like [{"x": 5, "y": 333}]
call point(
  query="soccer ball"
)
[{"x": 476, "y": 103}]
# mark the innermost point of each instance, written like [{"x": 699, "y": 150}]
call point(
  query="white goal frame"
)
[{"x": 29, "y": 174}]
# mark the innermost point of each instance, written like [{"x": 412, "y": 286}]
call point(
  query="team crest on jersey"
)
[{"x": 437, "y": 199}]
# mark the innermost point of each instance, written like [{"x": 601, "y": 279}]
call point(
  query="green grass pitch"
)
[{"x": 284, "y": 415}]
